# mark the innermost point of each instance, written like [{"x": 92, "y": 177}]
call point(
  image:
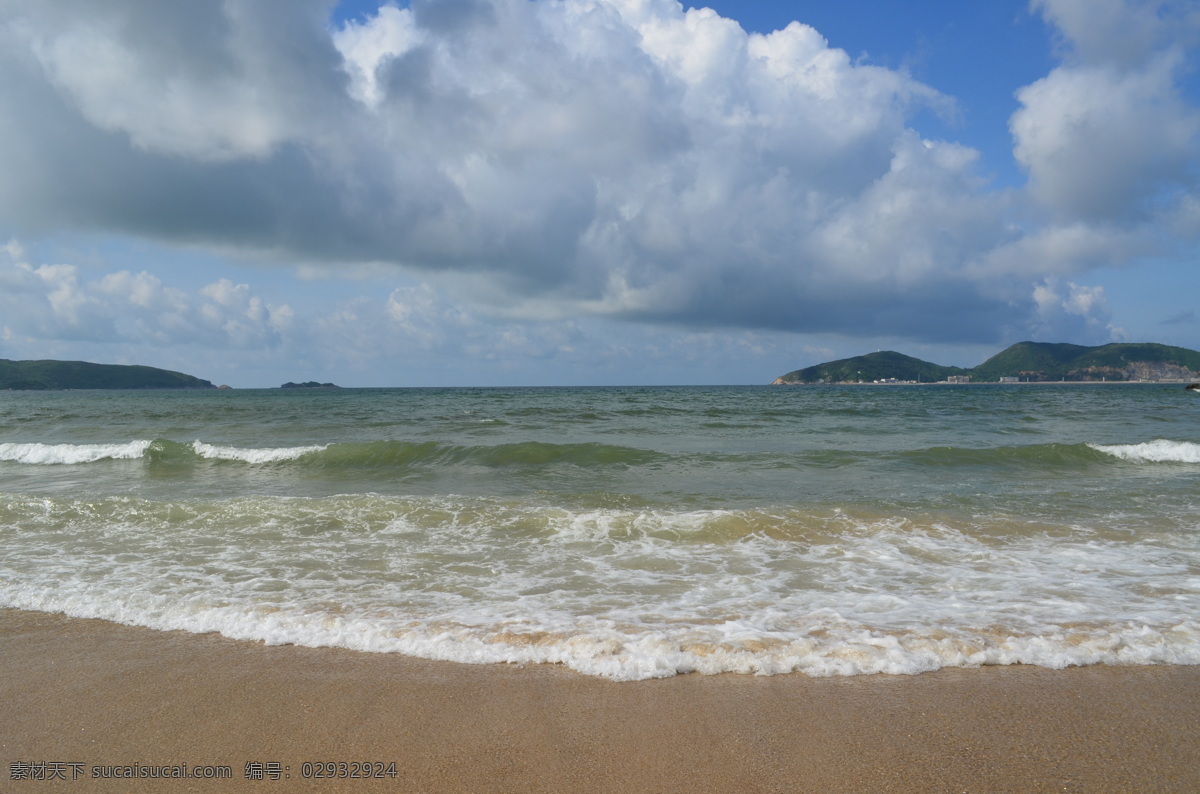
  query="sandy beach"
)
[{"x": 84, "y": 696}]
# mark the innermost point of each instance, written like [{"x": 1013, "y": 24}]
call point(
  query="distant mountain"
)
[
  {"x": 32, "y": 375},
  {"x": 309, "y": 384},
  {"x": 872, "y": 367},
  {"x": 1028, "y": 361},
  {"x": 1040, "y": 361}
]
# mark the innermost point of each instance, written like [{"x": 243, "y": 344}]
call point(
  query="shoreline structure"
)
[{"x": 92, "y": 696}]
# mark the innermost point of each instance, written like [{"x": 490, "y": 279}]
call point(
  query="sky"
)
[{"x": 589, "y": 192}]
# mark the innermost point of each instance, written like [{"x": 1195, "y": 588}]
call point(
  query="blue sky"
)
[{"x": 505, "y": 192}]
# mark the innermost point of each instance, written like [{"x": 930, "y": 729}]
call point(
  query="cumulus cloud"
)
[
  {"x": 612, "y": 158},
  {"x": 203, "y": 81},
  {"x": 1072, "y": 311},
  {"x": 1124, "y": 33},
  {"x": 1107, "y": 135},
  {"x": 1065, "y": 248},
  {"x": 58, "y": 302},
  {"x": 1099, "y": 142}
]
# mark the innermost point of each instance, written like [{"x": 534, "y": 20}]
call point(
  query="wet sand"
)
[{"x": 96, "y": 694}]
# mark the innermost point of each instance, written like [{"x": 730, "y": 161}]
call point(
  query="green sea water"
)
[{"x": 625, "y": 532}]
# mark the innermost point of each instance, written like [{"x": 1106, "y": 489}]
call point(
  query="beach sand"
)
[{"x": 94, "y": 693}]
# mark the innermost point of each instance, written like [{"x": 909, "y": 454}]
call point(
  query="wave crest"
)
[
  {"x": 50, "y": 454},
  {"x": 375, "y": 454},
  {"x": 1160, "y": 450},
  {"x": 254, "y": 455}
]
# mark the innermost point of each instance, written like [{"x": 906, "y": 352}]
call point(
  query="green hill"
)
[
  {"x": 872, "y": 367},
  {"x": 26, "y": 375},
  {"x": 1028, "y": 361},
  {"x": 1040, "y": 361}
]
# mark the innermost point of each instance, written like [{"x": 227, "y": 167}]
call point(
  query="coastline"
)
[
  {"x": 98, "y": 694},
  {"x": 1183, "y": 382}
]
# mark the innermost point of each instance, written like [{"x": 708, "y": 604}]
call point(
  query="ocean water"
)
[{"x": 624, "y": 532}]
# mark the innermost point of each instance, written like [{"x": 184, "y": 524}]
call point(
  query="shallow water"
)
[{"x": 625, "y": 532}]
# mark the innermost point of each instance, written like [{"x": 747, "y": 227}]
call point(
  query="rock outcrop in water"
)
[
  {"x": 1024, "y": 361},
  {"x": 53, "y": 375}
]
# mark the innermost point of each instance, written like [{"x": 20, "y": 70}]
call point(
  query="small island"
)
[
  {"x": 1024, "y": 362},
  {"x": 310, "y": 384},
  {"x": 48, "y": 375}
]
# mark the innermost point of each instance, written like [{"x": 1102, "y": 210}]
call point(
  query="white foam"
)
[
  {"x": 1157, "y": 451},
  {"x": 49, "y": 454},
  {"x": 606, "y": 649},
  {"x": 624, "y": 594},
  {"x": 263, "y": 455}
]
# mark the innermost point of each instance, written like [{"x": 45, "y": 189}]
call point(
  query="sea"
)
[{"x": 628, "y": 533}]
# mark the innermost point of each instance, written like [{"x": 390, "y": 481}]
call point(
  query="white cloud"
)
[
  {"x": 203, "y": 80},
  {"x": 422, "y": 317},
  {"x": 1067, "y": 310},
  {"x": 1100, "y": 142},
  {"x": 72, "y": 308},
  {"x": 1065, "y": 249},
  {"x": 570, "y": 159},
  {"x": 367, "y": 46},
  {"x": 14, "y": 250},
  {"x": 1109, "y": 136},
  {"x": 612, "y": 156},
  {"x": 1123, "y": 33},
  {"x": 56, "y": 302}
]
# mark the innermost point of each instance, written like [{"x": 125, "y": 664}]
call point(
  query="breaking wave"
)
[
  {"x": 375, "y": 454},
  {"x": 48, "y": 454},
  {"x": 1157, "y": 451}
]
